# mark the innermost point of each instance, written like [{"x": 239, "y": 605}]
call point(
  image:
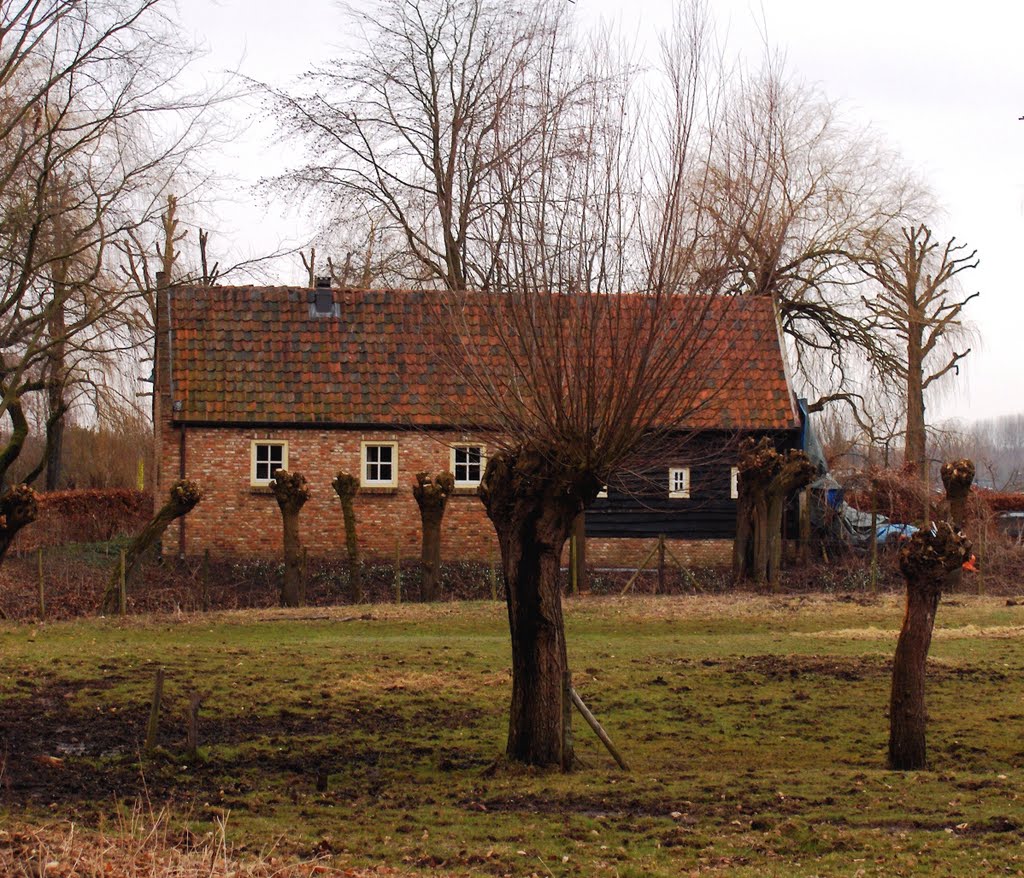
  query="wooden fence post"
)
[
  {"x": 154, "y": 710},
  {"x": 398, "y": 571},
  {"x": 204, "y": 575},
  {"x": 302, "y": 571},
  {"x": 122, "y": 591},
  {"x": 661, "y": 564},
  {"x": 195, "y": 699},
  {"x": 42, "y": 594},
  {"x": 573, "y": 565}
]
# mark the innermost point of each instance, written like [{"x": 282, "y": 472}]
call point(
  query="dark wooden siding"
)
[{"x": 638, "y": 504}]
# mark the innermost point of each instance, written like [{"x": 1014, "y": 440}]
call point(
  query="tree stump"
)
[
  {"x": 957, "y": 477},
  {"x": 346, "y": 486},
  {"x": 432, "y": 497},
  {"x": 766, "y": 478},
  {"x": 925, "y": 561},
  {"x": 291, "y": 494},
  {"x": 18, "y": 508},
  {"x": 182, "y": 498}
]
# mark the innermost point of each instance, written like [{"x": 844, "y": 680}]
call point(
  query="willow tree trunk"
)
[
  {"x": 291, "y": 494},
  {"x": 925, "y": 561},
  {"x": 766, "y": 478},
  {"x": 181, "y": 500},
  {"x": 432, "y": 497},
  {"x": 18, "y": 508},
  {"x": 346, "y": 486},
  {"x": 957, "y": 476},
  {"x": 533, "y": 503}
]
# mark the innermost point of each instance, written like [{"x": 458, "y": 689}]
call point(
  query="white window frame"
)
[
  {"x": 253, "y": 446},
  {"x": 364, "y": 462},
  {"x": 679, "y": 482},
  {"x": 603, "y": 493},
  {"x": 734, "y": 483},
  {"x": 463, "y": 446}
]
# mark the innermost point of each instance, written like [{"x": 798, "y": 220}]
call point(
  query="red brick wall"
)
[
  {"x": 236, "y": 519},
  {"x": 631, "y": 552}
]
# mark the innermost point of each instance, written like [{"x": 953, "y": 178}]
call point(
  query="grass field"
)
[{"x": 755, "y": 727}]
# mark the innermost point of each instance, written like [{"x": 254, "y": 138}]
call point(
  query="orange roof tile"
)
[{"x": 262, "y": 355}]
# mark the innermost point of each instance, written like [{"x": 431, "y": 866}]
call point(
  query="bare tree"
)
[
  {"x": 346, "y": 486},
  {"x": 93, "y": 123},
  {"x": 919, "y": 303},
  {"x": 931, "y": 560},
  {"x": 825, "y": 195},
  {"x": 534, "y": 178}
]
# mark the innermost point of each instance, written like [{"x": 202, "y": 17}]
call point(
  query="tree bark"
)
[
  {"x": 957, "y": 477},
  {"x": 915, "y": 450},
  {"x": 432, "y": 498},
  {"x": 182, "y": 499},
  {"x": 291, "y": 494},
  {"x": 57, "y": 367},
  {"x": 925, "y": 561},
  {"x": 533, "y": 502},
  {"x": 766, "y": 479},
  {"x": 18, "y": 508},
  {"x": 346, "y": 486}
]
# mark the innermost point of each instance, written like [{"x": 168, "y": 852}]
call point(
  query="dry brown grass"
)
[{"x": 143, "y": 844}]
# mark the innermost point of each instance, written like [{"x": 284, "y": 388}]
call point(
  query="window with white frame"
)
[
  {"x": 467, "y": 465},
  {"x": 679, "y": 482},
  {"x": 379, "y": 465},
  {"x": 734, "y": 482},
  {"x": 266, "y": 458}
]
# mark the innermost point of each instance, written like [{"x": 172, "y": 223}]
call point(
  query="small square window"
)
[
  {"x": 734, "y": 483},
  {"x": 380, "y": 465},
  {"x": 467, "y": 465},
  {"x": 679, "y": 482},
  {"x": 266, "y": 459}
]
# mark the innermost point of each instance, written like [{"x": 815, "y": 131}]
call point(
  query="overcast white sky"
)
[{"x": 943, "y": 82}]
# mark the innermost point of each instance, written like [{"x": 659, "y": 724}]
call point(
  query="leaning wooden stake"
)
[
  {"x": 566, "y": 749},
  {"x": 639, "y": 570},
  {"x": 154, "y": 710},
  {"x": 596, "y": 726}
]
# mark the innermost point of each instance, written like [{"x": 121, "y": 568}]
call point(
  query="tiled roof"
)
[{"x": 263, "y": 355}]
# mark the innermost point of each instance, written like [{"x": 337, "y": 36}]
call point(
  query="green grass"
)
[{"x": 756, "y": 730}]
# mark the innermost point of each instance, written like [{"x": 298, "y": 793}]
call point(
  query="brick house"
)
[{"x": 249, "y": 379}]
